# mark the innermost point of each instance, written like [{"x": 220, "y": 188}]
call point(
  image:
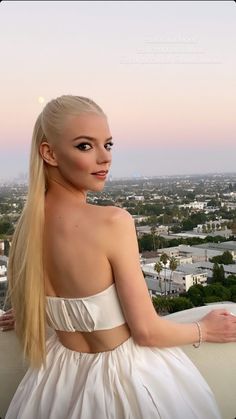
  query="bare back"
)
[{"x": 76, "y": 265}]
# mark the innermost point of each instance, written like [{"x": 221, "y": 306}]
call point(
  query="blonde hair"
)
[{"x": 25, "y": 267}]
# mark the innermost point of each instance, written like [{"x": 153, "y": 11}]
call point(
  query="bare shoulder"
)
[
  {"x": 117, "y": 214},
  {"x": 119, "y": 222},
  {"x": 111, "y": 215}
]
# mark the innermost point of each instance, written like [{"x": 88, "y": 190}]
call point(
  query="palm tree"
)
[
  {"x": 173, "y": 267},
  {"x": 164, "y": 259},
  {"x": 158, "y": 268}
]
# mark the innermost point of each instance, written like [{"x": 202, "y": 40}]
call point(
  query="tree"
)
[
  {"x": 233, "y": 293},
  {"x": 222, "y": 274},
  {"x": 6, "y": 247},
  {"x": 212, "y": 299},
  {"x": 173, "y": 266},
  {"x": 196, "y": 295},
  {"x": 158, "y": 268},
  {"x": 6, "y": 227},
  {"x": 162, "y": 305},
  {"x": 153, "y": 233},
  {"x": 217, "y": 273},
  {"x": 179, "y": 304},
  {"x": 226, "y": 258},
  {"x": 230, "y": 280},
  {"x": 217, "y": 290},
  {"x": 145, "y": 243},
  {"x": 164, "y": 259}
]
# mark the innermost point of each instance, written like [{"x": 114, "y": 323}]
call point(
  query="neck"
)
[{"x": 79, "y": 194}]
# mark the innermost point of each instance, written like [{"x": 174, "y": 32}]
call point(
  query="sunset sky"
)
[{"x": 163, "y": 71}]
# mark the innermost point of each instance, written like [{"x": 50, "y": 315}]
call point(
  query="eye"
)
[
  {"x": 110, "y": 144},
  {"x": 83, "y": 146}
]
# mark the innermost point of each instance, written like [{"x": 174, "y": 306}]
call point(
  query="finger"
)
[
  {"x": 7, "y": 316},
  {"x": 224, "y": 312},
  {"x": 7, "y": 319},
  {"x": 231, "y": 317},
  {"x": 10, "y": 311},
  {"x": 5, "y": 323}
]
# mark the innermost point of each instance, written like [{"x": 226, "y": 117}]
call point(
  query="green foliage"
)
[
  {"x": 171, "y": 305},
  {"x": 148, "y": 209},
  {"x": 179, "y": 304},
  {"x": 232, "y": 289},
  {"x": 164, "y": 258},
  {"x": 161, "y": 305},
  {"x": 194, "y": 219},
  {"x": 158, "y": 267},
  {"x": 146, "y": 243},
  {"x": 195, "y": 294},
  {"x": 218, "y": 273},
  {"x": 214, "y": 202},
  {"x": 200, "y": 295},
  {"x": 230, "y": 280},
  {"x": 226, "y": 258},
  {"x": 212, "y": 299},
  {"x": 217, "y": 290},
  {"x": 6, "y": 247},
  {"x": 6, "y": 227}
]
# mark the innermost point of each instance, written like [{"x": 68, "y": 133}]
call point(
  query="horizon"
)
[{"x": 22, "y": 177}]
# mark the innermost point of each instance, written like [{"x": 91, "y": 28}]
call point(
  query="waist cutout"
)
[{"x": 100, "y": 311}]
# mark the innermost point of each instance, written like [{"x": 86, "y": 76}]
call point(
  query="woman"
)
[{"x": 76, "y": 266}]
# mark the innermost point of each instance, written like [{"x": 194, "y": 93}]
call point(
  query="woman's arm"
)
[
  {"x": 7, "y": 321},
  {"x": 146, "y": 326}
]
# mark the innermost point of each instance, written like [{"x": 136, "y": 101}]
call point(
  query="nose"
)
[{"x": 103, "y": 155}]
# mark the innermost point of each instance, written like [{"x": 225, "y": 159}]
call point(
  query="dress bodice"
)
[{"x": 100, "y": 311}]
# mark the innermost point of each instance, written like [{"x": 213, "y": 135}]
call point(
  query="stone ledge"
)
[{"x": 216, "y": 362}]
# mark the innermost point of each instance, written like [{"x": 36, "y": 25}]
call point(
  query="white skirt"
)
[{"x": 128, "y": 382}]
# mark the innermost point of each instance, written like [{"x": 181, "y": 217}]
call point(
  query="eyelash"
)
[{"x": 83, "y": 144}]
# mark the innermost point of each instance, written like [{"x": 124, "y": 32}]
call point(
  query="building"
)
[
  {"x": 208, "y": 267},
  {"x": 160, "y": 230},
  {"x": 181, "y": 280},
  {"x": 196, "y": 253},
  {"x": 196, "y": 205},
  {"x": 229, "y": 246}
]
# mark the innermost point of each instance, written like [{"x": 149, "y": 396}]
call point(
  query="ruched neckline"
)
[
  {"x": 100, "y": 311},
  {"x": 81, "y": 298}
]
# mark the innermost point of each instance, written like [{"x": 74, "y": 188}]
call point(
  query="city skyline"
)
[{"x": 162, "y": 71}]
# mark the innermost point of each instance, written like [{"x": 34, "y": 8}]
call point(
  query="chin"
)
[{"x": 97, "y": 188}]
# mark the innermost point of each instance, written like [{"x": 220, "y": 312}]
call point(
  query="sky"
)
[{"x": 163, "y": 72}]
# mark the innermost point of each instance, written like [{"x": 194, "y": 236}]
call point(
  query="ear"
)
[{"x": 47, "y": 153}]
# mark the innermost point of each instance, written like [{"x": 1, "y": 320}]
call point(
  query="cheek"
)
[{"x": 74, "y": 162}]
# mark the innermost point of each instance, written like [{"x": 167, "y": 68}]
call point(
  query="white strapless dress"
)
[{"x": 128, "y": 382}]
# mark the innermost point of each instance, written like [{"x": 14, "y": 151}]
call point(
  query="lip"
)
[{"x": 101, "y": 172}]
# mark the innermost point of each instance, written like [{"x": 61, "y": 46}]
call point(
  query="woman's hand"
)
[
  {"x": 7, "y": 321},
  {"x": 219, "y": 326}
]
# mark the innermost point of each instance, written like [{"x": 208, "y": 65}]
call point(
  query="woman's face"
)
[{"x": 83, "y": 149}]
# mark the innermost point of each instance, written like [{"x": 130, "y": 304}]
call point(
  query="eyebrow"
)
[{"x": 87, "y": 137}]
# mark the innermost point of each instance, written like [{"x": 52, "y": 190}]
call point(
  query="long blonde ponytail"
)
[{"x": 25, "y": 267}]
